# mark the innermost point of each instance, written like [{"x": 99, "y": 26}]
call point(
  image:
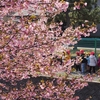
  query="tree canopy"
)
[
  {"x": 80, "y": 13},
  {"x": 34, "y": 45}
]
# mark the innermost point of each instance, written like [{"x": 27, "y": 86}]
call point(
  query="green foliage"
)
[
  {"x": 78, "y": 17},
  {"x": 61, "y": 17},
  {"x": 84, "y": 17},
  {"x": 90, "y": 13}
]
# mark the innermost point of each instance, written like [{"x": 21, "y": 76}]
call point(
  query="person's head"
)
[
  {"x": 77, "y": 53},
  {"x": 87, "y": 54},
  {"x": 99, "y": 56},
  {"x": 92, "y": 53},
  {"x": 81, "y": 51}
]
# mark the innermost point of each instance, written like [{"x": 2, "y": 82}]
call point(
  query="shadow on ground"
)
[{"x": 90, "y": 92}]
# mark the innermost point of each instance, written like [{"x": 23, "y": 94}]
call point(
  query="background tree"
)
[{"x": 81, "y": 13}]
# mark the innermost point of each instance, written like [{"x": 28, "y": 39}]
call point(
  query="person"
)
[
  {"x": 98, "y": 61},
  {"x": 81, "y": 52},
  {"x": 83, "y": 64},
  {"x": 98, "y": 66},
  {"x": 93, "y": 62},
  {"x": 88, "y": 61},
  {"x": 77, "y": 62}
]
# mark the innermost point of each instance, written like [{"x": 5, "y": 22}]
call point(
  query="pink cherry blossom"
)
[{"x": 31, "y": 47}]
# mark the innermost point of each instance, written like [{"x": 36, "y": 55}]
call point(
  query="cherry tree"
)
[{"x": 28, "y": 49}]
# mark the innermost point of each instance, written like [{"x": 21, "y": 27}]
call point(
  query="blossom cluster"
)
[
  {"x": 43, "y": 88},
  {"x": 27, "y": 46}
]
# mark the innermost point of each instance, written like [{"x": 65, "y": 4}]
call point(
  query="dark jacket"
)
[{"x": 84, "y": 60}]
